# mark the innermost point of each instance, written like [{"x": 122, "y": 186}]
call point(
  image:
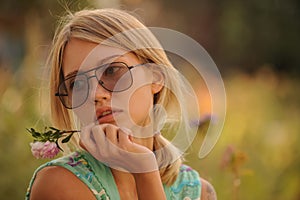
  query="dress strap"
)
[{"x": 187, "y": 184}]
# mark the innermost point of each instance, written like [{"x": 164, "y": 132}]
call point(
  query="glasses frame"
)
[{"x": 100, "y": 82}]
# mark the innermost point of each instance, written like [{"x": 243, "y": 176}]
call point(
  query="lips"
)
[{"x": 106, "y": 114}]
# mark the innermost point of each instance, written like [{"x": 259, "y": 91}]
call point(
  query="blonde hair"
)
[{"x": 97, "y": 26}]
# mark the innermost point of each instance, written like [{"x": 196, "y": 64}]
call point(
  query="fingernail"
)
[{"x": 126, "y": 130}]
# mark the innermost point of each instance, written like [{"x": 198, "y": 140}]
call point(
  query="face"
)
[{"x": 129, "y": 108}]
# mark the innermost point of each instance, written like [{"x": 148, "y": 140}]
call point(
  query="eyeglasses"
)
[{"x": 114, "y": 77}]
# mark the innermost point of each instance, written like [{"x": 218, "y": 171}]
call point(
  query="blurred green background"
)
[{"x": 255, "y": 45}]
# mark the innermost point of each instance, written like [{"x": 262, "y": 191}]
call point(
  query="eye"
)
[
  {"x": 112, "y": 70},
  {"x": 77, "y": 84}
]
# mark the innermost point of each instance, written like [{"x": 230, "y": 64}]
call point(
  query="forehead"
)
[{"x": 82, "y": 55}]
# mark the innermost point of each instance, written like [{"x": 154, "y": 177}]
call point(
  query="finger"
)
[
  {"x": 128, "y": 132},
  {"x": 124, "y": 134},
  {"x": 111, "y": 133},
  {"x": 99, "y": 136}
]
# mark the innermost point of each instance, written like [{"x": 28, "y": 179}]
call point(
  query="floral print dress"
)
[{"x": 99, "y": 178}]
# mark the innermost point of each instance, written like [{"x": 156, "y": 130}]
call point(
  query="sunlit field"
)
[{"x": 257, "y": 155}]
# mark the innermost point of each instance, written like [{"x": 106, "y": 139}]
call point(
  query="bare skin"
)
[
  {"x": 207, "y": 191},
  {"x": 53, "y": 183}
]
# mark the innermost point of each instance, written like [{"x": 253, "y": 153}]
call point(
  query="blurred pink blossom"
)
[{"x": 44, "y": 149}]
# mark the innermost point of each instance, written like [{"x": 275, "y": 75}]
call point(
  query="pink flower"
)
[{"x": 44, "y": 149}]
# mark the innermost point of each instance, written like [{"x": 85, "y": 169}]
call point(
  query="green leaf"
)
[
  {"x": 33, "y": 133},
  {"x": 36, "y": 134},
  {"x": 59, "y": 146},
  {"x": 55, "y": 129},
  {"x": 51, "y": 134},
  {"x": 54, "y": 135},
  {"x": 65, "y": 140},
  {"x": 48, "y": 133}
]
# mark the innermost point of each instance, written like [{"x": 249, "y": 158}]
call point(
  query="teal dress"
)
[{"x": 99, "y": 178}]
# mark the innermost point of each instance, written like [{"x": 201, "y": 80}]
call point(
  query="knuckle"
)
[{"x": 95, "y": 129}]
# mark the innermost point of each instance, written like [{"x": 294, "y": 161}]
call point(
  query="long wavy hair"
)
[{"x": 98, "y": 26}]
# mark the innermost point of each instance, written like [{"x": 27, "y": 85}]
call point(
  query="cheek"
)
[
  {"x": 86, "y": 114},
  {"x": 140, "y": 103}
]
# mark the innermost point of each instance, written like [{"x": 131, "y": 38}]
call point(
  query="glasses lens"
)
[
  {"x": 74, "y": 91},
  {"x": 114, "y": 77}
]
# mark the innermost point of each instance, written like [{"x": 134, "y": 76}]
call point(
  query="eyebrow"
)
[{"x": 101, "y": 62}]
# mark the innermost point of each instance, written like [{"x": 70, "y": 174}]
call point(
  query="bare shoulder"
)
[
  {"x": 56, "y": 182},
  {"x": 207, "y": 191}
]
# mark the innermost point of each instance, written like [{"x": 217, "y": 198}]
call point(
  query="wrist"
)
[
  {"x": 142, "y": 163},
  {"x": 141, "y": 175}
]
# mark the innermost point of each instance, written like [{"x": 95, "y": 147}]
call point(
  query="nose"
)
[{"x": 97, "y": 93}]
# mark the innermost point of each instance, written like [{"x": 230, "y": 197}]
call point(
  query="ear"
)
[{"x": 158, "y": 82}]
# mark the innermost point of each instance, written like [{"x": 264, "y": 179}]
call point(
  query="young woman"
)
[{"x": 108, "y": 81}]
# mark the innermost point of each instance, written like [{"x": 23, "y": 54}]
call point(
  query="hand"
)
[{"x": 114, "y": 147}]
